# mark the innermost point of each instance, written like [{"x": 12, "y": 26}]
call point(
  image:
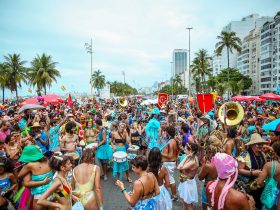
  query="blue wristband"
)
[{"x": 124, "y": 190}]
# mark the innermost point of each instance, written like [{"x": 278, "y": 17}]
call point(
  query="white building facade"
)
[
  {"x": 270, "y": 55},
  {"x": 248, "y": 62}
]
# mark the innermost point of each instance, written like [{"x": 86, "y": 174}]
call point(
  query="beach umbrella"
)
[
  {"x": 270, "y": 96},
  {"x": 30, "y": 106},
  {"x": 255, "y": 98},
  {"x": 239, "y": 98},
  {"x": 272, "y": 126}
]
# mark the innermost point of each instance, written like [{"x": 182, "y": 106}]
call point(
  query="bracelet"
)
[
  {"x": 251, "y": 172},
  {"x": 124, "y": 190}
]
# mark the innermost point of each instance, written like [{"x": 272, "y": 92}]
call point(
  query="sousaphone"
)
[
  {"x": 231, "y": 113},
  {"x": 123, "y": 102}
]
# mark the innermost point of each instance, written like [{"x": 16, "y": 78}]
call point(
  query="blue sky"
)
[{"x": 135, "y": 36}]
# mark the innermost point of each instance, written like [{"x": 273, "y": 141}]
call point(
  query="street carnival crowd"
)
[{"x": 55, "y": 157}]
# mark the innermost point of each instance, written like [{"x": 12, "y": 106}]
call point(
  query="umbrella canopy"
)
[
  {"x": 48, "y": 99},
  {"x": 255, "y": 98},
  {"x": 30, "y": 106},
  {"x": 239, "y": 98},
  {"x": 272, "y": 126},
  {"x": 270, "y": 96}
]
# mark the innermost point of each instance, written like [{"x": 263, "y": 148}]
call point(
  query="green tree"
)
[
  {"x": 243, "y": 81},
  {"x": 201, "y": 66},
  {"x": 121, "y": 89},
  {"x": 230, "y": 41},
  {"x": 212, "y": 83},
  {"x": 97, "y": 80},
  {"x": 43, "y": 72},
  {"x": 3, "y": 80},
  {"x": 177, "y": 83},
  {"x": 221, "y": 89},
  {"x": 17, "y": 73}
]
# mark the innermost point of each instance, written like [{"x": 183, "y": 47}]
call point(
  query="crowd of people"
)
[{"x": 55, "y": 157}]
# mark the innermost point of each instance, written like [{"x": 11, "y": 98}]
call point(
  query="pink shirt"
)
[{"x": 3, "y": 135}]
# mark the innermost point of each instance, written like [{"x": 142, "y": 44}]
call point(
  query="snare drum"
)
[
  {"x": 133, "y": 149},
  {"x": 120, "y": 157}
]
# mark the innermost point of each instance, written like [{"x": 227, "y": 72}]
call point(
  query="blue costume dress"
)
[
  {"x": 120, "y": 167},
  {"x": 152, "y": 129},
  {"x": 104, "y": 152}
]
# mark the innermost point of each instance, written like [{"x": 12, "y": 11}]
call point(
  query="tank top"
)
[{"x": 5, "y": 184}]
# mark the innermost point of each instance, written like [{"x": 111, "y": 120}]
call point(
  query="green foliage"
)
[
  {"x": 43, "y": 72},
  {"x": 121, "y": 89},
  {"x": 237, "y": 81},
  {"x": 97, "y": 80},
  {"x": 176, "y": 91},
  {"x": 16, "y": 71},
  {"x": 3, "y": 80},
  {"x": 201, "y": 67}
]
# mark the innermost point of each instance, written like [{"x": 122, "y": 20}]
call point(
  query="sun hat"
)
[
  {"x": 180, "y": 119},
  {"x": 30, "y": 153},
  {"x": 256, "y": 139}
]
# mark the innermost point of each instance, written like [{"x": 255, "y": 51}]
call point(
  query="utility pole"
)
[
  {"x": 189, "y": 28},
  {"x": 90, "y": 51}
]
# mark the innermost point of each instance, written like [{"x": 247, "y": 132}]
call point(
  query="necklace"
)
[{"x": 256, "y": 160}]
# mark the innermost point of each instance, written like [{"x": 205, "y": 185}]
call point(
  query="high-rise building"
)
[
  {"x": 180, "y": 64},
  {"x": 241, "y": 28},
  {"x": 216, "y": 65},
  {"x": 270, "y": 55},
  {"x": 180, "y": 61},
  {"x": 248, "y": 62}
]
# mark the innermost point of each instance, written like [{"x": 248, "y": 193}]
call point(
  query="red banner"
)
[
  {"x": 70, "y": 103},
  {"x": 205, "y": 102},
  {"x": 162, "y": 99}
]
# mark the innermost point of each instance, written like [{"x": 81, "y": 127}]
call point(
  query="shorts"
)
[
  {"x": 170, "y": 166},
  {"x": 103, "y": 161}
]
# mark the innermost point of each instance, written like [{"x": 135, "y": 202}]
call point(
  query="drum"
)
[
  {"x": 74, "y": 155},
  {"x": 92, "y": 145},
  {"x": 131, "y": 156},
  {"x": 133, "y": 149},
  {"x": 120, "y": 156}
]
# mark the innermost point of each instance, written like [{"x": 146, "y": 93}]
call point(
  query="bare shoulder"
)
[{"x": 237, "y": 198}]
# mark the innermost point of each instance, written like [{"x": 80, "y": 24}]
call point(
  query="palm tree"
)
[
  {"x": 177, "y": 82},
  {"x": 43, "y": 72},
  {"x": 3, "y": 80},
  {"x": 197, "y": 83},
  {"x": 212, "y": 83},
  {"x": 230, "y": 41},
  {"x": 16, "y": 71},
  {"x": 97, "y": 80},
  {"x": 201, "y": 66},
  {"x": 114, "y": 87}
]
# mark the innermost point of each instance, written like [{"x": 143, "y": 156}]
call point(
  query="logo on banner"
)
[{"x": 162, "y": 99}]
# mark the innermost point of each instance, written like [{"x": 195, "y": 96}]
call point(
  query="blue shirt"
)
[
  {"x": 44, "y": 137},
  {"x": 54, "y": 137}
]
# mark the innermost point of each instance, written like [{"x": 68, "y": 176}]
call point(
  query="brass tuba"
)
[
  {"x": 231, "y": 113},
  {"x": 123, "y": 102}
]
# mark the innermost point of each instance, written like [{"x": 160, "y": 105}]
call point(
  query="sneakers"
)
[
  {"x": 105, "y": 178},
  {"x": 175, "y": 198}
]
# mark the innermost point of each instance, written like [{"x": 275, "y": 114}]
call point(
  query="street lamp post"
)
[
  {"x": 90, "y": 51},
  {"x": 189, "y": 28},
  {"x": 171, "y": 81}
]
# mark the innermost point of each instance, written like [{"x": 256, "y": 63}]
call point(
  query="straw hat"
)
[{"x": 256, "y": 139}]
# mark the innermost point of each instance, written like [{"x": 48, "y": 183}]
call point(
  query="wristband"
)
[{"x": 124, "y": 190}]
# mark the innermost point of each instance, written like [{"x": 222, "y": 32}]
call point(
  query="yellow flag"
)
[{"x": 215, "y": 95}]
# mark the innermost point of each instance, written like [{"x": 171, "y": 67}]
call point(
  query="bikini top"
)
[
  {"x": 65, "y": 192},
  {"x": 148, "y": 194},
  {"x": 120, "y": 141}
]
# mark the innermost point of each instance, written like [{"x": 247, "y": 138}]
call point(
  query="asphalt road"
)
[{"x": 114, "y": 199}]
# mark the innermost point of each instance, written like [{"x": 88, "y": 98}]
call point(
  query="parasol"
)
[
  {"x": 30, "y": 106},
  {"x": 272, "y": 126},
  {"x": 270, "y": 96}
]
